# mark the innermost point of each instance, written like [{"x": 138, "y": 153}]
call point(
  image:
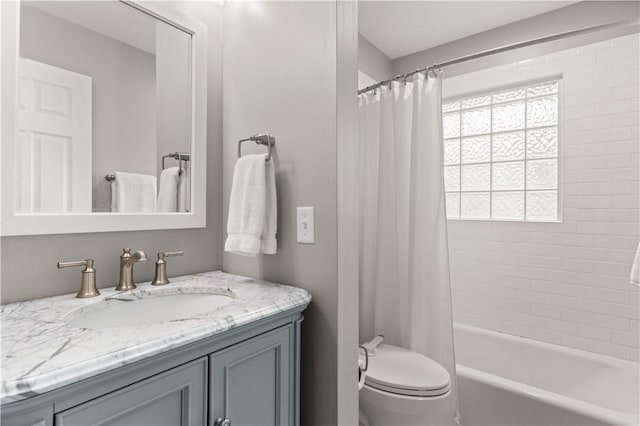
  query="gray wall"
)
[
  {"x": 123, "y": 92},
  {"x": 573, "y": 17},
  {"x": 29, "y": 263},
  {"x": 372, "y": 61},
  {"x": 279, "y": 65}
]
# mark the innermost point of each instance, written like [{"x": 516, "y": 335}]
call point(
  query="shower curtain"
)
[{"x": 404, "y": 258}]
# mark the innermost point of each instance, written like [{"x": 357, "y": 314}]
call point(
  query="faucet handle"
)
[
  {"x": 162, "y": 255},
  {"x": 87, "y": 263},
  {"x": 88, "y": 284},
  {"x": 161, "y": 267}
]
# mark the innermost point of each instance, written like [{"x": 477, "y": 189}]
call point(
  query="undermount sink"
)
[{"x": 143, "y": 309}]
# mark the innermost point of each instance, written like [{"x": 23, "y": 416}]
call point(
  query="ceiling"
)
[
  {"x": 399, "y": 28},
  {"x": 112, "y": 19}
]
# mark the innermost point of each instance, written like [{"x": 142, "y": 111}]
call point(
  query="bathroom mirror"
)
[{"x": 107, "y": 130}]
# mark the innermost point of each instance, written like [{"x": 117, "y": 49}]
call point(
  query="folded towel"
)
[
  {"x": 635, "y": 268},
  {"x": 133, "y": 192},
  {"x": 251, "y": 226},
  {"x": 168, "y": 191}
]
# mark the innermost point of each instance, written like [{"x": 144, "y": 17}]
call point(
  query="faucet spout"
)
[
  {"x": 127, "y": 260},
  {"x": 138, "y": 256}
]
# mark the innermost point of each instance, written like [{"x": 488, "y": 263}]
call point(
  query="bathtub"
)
[{"x": 510, "y": 380}]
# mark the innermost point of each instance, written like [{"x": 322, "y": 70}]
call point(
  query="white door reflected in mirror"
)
[{"x": 53, "y": 153}]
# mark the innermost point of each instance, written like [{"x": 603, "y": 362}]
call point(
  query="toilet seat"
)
[{"x": 401, "y": 371}]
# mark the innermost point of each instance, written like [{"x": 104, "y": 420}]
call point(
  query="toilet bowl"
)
[{"x": 403, "y": 387}]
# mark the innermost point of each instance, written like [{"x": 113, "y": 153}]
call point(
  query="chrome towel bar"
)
[{"x": 266, "y": 140}]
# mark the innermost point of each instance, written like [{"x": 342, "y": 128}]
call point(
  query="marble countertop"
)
[{"x": 40, "y": 352}]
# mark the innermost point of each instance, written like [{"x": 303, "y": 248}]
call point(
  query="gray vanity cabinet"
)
[
  {"x": 248, "y": 375},
  {"x": 252, "y": 382},
  {"x": 174, "y": 398}
]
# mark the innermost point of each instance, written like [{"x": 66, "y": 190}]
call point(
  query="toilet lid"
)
[{"x": 398, "y": 370}]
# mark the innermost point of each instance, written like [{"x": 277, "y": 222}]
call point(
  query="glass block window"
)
[{"x": 501, "y": 154}]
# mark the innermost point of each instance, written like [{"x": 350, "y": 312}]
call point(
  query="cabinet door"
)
[
  {"x": 29, "y": 417},
  {"x": 176, "y": 397},
  {"x": 251, "y": 382}
]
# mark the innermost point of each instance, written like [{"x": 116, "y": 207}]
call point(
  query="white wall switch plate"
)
[{"x": 306, "y": 225}]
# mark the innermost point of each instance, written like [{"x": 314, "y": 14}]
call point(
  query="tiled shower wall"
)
[{"x": 565, "y": 283}]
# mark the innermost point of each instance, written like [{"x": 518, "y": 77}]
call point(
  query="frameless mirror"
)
[{"x": 109, "y": 116}]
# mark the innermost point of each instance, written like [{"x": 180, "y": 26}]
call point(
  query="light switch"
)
[{"x": 306, "y": 225}]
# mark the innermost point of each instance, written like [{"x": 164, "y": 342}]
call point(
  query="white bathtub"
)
[{"x": 509, "y": 380}]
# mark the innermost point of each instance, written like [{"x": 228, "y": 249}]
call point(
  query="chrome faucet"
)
[{"x": 127, "y": 260}]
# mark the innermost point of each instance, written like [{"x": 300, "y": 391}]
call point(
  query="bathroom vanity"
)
[{"x": 235, "y": 364}]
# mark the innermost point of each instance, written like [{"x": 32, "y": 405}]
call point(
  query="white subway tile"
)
[
  {"x": 591, "y": 332},
  {"x": 615, "y": 242},
  {"x": 575, "y": 214},
  {"x": 588, "y": 175},
  {"x": 532, "y": 320},
  {"x": 611, "y": 295},
  {"x": 578, "y": 342},
  {"x": 530, "y": 296},
  {"x": 622, "y": 256},
  {"x": 624, "y": 120},
  {"x": 611, "y": 322},
  {"x": 611, "y": 215},
  {"x": 546, "y": 311},
  {"x": 593, "y": 253},
  {"x": 546, "y": 286},
  {"x": 625, "y": 311},
  {"x": 625, "y": 92},
  {"x": 594, "y": 228},
  {"x": 561, "y": 301},
  {"x": 592, "y": 201},
  {"x": 546, "y": 336},
  {"x": 577, "y": 316},
  {"x": 577, "y": 290},
  {"x": 531, "y": 273},
  {"x": 611, "y": 268},
  {"x": 625, "y": 201},
  {"x": 561, "y": 276},
  {"x": 625, "y": 229},
  {"x": 612, "y": 349},
  {"x": 561, "y": 326},
  {"x": 577, "y": 240}
]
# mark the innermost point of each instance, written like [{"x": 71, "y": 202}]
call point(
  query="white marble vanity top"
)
[{"x": 40, "y": 352}]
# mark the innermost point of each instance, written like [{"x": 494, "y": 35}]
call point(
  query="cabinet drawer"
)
[{"x": 176, "y": 397}]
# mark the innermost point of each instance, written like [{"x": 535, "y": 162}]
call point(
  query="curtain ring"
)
[
  {"x": 433, "y": 70},
  {"x": 405, "y": 79}
]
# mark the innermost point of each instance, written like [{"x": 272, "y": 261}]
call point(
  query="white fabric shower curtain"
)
[{"x": 404, "y": 257}]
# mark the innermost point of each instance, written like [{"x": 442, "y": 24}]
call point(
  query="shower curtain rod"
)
[{"x": 502, "y": 49}]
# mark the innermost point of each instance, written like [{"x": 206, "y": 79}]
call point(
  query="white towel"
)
[
  {"x": 252, "y": 222},
  {"x": 269, "y": 244},
  {"x": 184, "y": 189},
  {"x": 168, "y": 191},
  {"x": 133, "y": 193},
  {"x": 635, "y": 268}
]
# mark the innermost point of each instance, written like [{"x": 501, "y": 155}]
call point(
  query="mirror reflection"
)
[{"x": 104, "y": 110}]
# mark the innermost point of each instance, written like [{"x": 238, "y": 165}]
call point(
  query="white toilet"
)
[{"x": 403, "y": 387}]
